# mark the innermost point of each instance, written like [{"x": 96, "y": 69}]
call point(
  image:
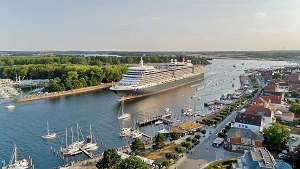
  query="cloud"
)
[
  {"x": 156, "y": 18},
  {"x": 255, "y": 30},
  {"x": 261, "y": 15}
]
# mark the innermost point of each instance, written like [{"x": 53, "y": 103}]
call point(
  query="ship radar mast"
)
[{"x": 142, "y": 62}]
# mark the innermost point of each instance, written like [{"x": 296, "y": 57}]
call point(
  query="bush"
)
[
  {"x": 172, "y": 155},
  {"x": 187, "y": 145},
  {"x": 218, "y": 118},
  {"x": 174, "y": 136},
  {"x": 220, "y": 163},
  {"x": 221, "y": 135},
  {"x": 197, "y": 136},
  {"x": 227, "y": 127},
  {"x": 203, "y": 131},
  {"x": 188, "y": 139},
  {"x": 166, "y": 163}
]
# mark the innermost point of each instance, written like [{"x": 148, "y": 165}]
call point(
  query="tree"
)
[
  {"x": 166, "y": 163},
  {"x": 172, "y": 155},
  {"x": 295, "y": 108},
  {"x": 295, "y": 94},
  {"x": 293, "y": 157},
  {"x": 132, "y": 162},
  {"x": 137, "y": 145},
  {"x": 110, "y": 159},
  {"x": 188, "y": 139},
  {"x": 180, "y": 149},
  {"x": 277, "y": 76},
  {"x": 276, "y": 136},
  {"x": 197, "y": 136},
  {"x": 194, "y": 140},
  {"x": 159, "y": 141},
  {"x": 174, "y": 136},
  {"x": 203, "y": 131},
  {"x": 187, "y": 145}
]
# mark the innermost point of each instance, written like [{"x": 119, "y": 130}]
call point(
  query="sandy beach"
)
[{"x": 63, "y": 93}]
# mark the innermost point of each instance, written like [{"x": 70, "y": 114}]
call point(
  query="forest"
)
[{"x": 73, "y": 72}]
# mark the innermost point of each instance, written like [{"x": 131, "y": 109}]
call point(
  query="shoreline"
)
[{"x": 63, "y": 93}]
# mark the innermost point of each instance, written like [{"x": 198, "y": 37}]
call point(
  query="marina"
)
[{"x": 100, "y": 108}]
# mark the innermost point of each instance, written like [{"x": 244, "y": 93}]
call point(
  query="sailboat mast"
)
[
  {"x": 77, "y": 132},
  {"x": 16, "y": 154},
  {"x": 189, "y": 102},
  {"x": 122, "y": 108},
  {"x": 66, "y": 137},
  {"x": 91, "y": 134},
  {"x": 72, "y": 134},
  {"x": 47, "y": 127}
]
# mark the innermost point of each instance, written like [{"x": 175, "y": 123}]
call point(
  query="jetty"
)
[
  {"x": 148, "y": 121},
  {"x": 86, "y": 152}
]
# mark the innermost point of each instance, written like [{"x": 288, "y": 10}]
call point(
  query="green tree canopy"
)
[
  {"x": 174, "y": 136},
  {"x": 277, "y": 76},
  {"x": 180, "y": 149},
  {"x": 132, "y": 162},
  {"x": 137, "y": 145},
  {"x": 166, "y": 163},
  {"x": 171, "y": 155},
  {"x": 295, "y": 94},
  {"x": 293, "y": 157},
  {"x": 110, "y": 160},
  {"x": 187, "y": 144},
  {"x": 295, "y": 108},
  {"x": 276, "y": 136},
  {"x": 159, "y": 141}
]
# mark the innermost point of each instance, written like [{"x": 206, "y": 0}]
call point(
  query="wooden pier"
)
[
  {"x": 154, "y": 119},
  {"x": 86, "y": 152}
]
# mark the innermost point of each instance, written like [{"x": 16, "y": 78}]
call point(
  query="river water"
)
[{"x": 25, "y": 124}]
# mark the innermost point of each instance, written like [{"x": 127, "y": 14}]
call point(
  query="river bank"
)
[{"x": 63, "y": 93}]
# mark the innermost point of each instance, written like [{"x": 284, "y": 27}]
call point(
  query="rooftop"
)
[
  {"x": 253, "y": 119},
  {"x": 245, "y": 133}
]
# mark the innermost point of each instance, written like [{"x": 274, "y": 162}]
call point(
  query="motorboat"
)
[
  {"x": 48, "y": 135},
  {"x": 158, "y": 122},
  {"x": 136, "y": 134},
  {"x": 94, "y": 148},
  {"x": 10, "y": 106}
]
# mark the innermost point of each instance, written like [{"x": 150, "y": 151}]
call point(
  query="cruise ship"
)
[{"x": 146, "y": 80}]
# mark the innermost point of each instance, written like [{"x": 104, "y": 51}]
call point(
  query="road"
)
[{"x": 204, "y": 152}]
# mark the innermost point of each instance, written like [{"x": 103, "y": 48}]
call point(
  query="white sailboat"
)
[
  {"x": 78, "y": 143},
  {"x": 123, "y": 115},
  {"x": 90, "y": 145},
  {"x": 48, "y": 135},
  {"x": 14, "y": 163},
  {"x": 71, "y": 149},
  {"x": 125, "y": 132},
  {"x": 136, "y": 134}
]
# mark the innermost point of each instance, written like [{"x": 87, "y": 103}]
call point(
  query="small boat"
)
[
  {"x": 199, "y": 98},
  {"x": 48, "y": 135},
  {"x": 123, "y": 115},
  {"x": 158, "y": 122},
  {"x": 136, "y": 134},
  {"x": 10, "y": 106}
]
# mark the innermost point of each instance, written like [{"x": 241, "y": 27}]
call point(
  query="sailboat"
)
[
  {"x": 136, "y": 133},
  {"x": 71, "y": 149},
  {"x": 78, "y": 143},
  {"x": 10, "y": 106},
  {"x": 90, "y": 145},
  {"x": 123, "y": 115},
  {"x": 14, "y": 163},
  {"x": 48, "y": 135}
]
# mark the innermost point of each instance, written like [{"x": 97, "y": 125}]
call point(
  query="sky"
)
[{"x": 149, "y": 25}]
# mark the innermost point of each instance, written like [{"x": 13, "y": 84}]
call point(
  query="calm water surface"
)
[{"x": 25, "y": 124}]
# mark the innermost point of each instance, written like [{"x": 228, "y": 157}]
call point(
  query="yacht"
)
[
  {"x": 123, "y": 115},
  {"x": 48, "y": 135},
  {"x": 136, "y": 134},
  {"x": 90, "y": 145},
  {"x": 158, "y": 122},
  {"x": 10, "y": 106},
  {"x": 14, "y": 163},
  {"x": 125, "y": 132}
]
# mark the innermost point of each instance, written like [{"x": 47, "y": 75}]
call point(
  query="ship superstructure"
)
[{"x": 146, "y": 80}]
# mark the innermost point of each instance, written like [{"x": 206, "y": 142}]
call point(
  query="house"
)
[
  {"x": 270, "y": 88},
  {"x": 292, "y": 78},
  {"x": 248, "y": 121},
  {"x": 266, "y": 113},
  {"x": 241, "y": 139},
  {"x": 287, "y": 116},
  {"x": 283, "y": 87},
  {"x": 262, "y": 101},
  {"x": 259, "y": 158},
  {"x": 275, "y": 101}
]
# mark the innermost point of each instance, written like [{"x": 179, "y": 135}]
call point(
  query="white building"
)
[{"x": 248, "y": 121}]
